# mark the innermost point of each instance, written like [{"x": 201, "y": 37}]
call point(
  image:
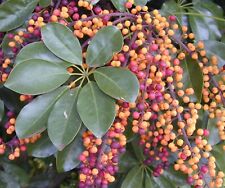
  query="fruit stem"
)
[
  {"x": 132, "y": 40},
  {"x": 115, "y": 14},
  {"x": 183, "y": 130},
  {"x": 81, "y": 82},
  {"x": 72, "y": 84},
  {"x": 122, "y": 19},
  {"x": 76, "y": 74},
  {"x": 78, "y": 68}
]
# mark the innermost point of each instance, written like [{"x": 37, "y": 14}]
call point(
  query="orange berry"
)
[{"x": 11, "y": 157}]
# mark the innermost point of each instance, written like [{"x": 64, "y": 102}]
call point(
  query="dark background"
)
[{"x": 158, "y": 3}]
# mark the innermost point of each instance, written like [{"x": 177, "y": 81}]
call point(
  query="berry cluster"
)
[
  {"x": 99, "y": 160},
  {"x": 9, "y": 143},
  {"x": 166, "y": 113}
]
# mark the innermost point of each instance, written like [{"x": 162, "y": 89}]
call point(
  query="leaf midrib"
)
[
  {"x": 104, "y": 75},
  {"x": 101, "y": 49},
  {"x": 66, "y": 46},
  {"x": 95, "y": 102}
]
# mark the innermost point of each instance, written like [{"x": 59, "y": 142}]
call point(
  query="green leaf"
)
[
  {"x": 215, "y": 48},
  {"x": 215, "y": 11},
  {"x": 68, "y": 158},
  {"x": 163, "y": 182},
  {"x": 204, "y": 27},
  {"x": 96, "y": 109},
  {"x": 219, "y": 153},
  {"x": 5, "y": 42},
  {"x": 191, "y": 73},
  {"x": 8, "y": 180},
  {"x": 140, "y": 2},
  {"x": 42, "y": 148},
  {"x": 106, "y": 42},
  {"x": 93, "y": 2},
  {"x": 175, "y": 176},
  {"x": 119, "y": 5},
  {"x": 118, "y": 83},
  {"x": 35, "y": 77},
  {"x": 17, "y": 172},
  {"x": 37, "y": 50},
  {"x": 5, "y": 46},
  {"x": 170, "y": 7},
  {"x": 130, "y": 135},
  {"x": 214, "y": 137},
  {"x": 134, "y": 178},
  {"x": 45, "y": 3},
  {"x": 60, "y": 40},
  {"x": 138, "y": 150},
  {"x": 148, "y": 181},
  {"x": 34, "y": 116},
  {"x": 127, "y": 161},
  {"x": 202, "y": 120},
  {"x": 1, "y": 110},
  {"x": 13, "y": 13},
  {"x": 64, "y": 122}
]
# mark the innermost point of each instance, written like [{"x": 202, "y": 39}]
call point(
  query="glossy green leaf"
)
[
  {"x": 45, "y": 3},
  {"x": 37, "y": 50},
  {"x": 60, "y": 40},
  {"x": 106, "y": 42},
  {"x": 219, "y": 153},
  {"x": 140, "y": 2},
  {"x": 64, "y": 122},
  {"x": 1, "y": 110},
  {"x": 34, "y": 116},
  {"x": 216, "y": 48},
  {"x": 96, "y": 109},
  {"x": 93, "y": 2},
  {"x": 5, "y": 46},
  {"x": 137, "y": 149},
  {"x": 163, "y": 182},
  {"x": 119, "y": 5},
  {"x": 130, "y": 135},
  {"x": 202, "y": 120},
  {"x": 68, "y": 158},
  {"x": 127, "y": 161},
  {"x": 175, "y": 176},
  {"x": 13, "y": 13},
  {"x": 134, "y": 178},
  {"x": 148, "y": 183},
  {"x": 5, "y": 41},
  {"x": 204, "y": 27},
  {"x": 191, "y": 73},
  {"x": 8, "y": 180},
  {"x": 42, "y": 148},
  {"x": 17, "y": 172},
  {"x": 170, "y": 7},
  {"x": 118, "y": 83},
  {"x": 35, "y": 77},
  {"x": 214, "y": 137},
  {"x": 214, "y": 9}
]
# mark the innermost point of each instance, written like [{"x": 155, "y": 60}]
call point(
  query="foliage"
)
[{"x": 110, "y": 94}]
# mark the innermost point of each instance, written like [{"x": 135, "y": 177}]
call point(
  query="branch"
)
[
  {"x": 115, "y": 14},
  {"x": 180, "y": 118}
]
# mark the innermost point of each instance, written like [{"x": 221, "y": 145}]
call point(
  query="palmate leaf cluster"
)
[
  {"x": 41, "y": 69},
  {"x": 62, "y": 113}
]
